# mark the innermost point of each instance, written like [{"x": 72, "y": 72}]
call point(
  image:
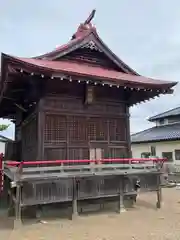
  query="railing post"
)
[
  {"x": 62, "y": 165},
  {"x": 99, "y": 162},
  {"x": 159, "y": 198},
  {"x": 18, "y": 219},
  {"x": 159, "y": 192},
  {"x": 130, "y": 163},
  {"x": 121, "y": 207},
  {"x": 75, "y": 198}
]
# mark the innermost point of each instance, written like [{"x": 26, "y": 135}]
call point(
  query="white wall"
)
[
  {"x": 2, "y": 147},
  {"x": 137, "y": 149}
]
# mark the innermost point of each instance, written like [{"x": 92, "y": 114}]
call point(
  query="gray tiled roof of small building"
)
[
  {"x": 166, "y": 132},
  {"x": 3, "y": 138},
  {"x": 172, "y": 112}
]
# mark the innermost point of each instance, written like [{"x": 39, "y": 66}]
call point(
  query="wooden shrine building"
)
[{"x": 73, "y": 102}]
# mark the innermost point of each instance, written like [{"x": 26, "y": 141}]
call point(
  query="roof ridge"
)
[
  {"x": 59, "y": 48},
  {"x": 155, "y": 116},
  {"x": 82, "y": 31}
]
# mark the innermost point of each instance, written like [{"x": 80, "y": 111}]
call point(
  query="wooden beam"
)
[
  {"x": 17, "y": 105},
  {"x": 20, "y": 107}
]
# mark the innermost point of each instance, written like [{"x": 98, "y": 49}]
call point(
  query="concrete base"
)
[
  {"x": 75, "y": 216},
  {"x": 122, "y": 210},
  {"x": 17, "y": 224},
  {"x": 159, "y": 205}
]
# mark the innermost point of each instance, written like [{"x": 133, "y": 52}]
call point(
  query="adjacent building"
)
[
  {"x": 3, "y": 141},
  {"x": 162, "y": 140}
]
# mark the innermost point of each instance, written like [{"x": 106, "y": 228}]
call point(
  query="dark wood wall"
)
[
  {"x": 71, "y": 128},
  {"x": 29, "y": 141},
  {"x": 25, "y": 146},
  {"x": 63, "y": 126}
]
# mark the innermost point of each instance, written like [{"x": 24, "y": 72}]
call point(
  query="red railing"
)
[
  {"x": 82, "y": 161},
  {"x": 111, "y": 160}
]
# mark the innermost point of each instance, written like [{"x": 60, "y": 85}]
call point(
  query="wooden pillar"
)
[
  {"x": 159, "y": 192},
  {"x": 18, "y": 131},
  {"x": 159, "y": 198},
  {"x": 75, "y": 199},
  {"x": 40, "y": 131},
  {"x": 128, "y": 135},
  {"x": 18, "y": 222},
  {"x": 19, "y": 173},
  {"x": 121, "y": 207}
]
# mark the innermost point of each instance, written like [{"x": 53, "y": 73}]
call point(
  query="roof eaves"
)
[
  {"x": 32, "y": 64},
  {"x": 156, "y": 140},
  {"x": 163, "y": 114}
]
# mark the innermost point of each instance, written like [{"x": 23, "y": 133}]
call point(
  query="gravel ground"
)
[{"x": 143, "y": 222}]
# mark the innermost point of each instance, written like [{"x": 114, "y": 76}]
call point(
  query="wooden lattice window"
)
[
  {"x": 98, "y": 129},
  {"x": 117, "y": 129},
  {"x": 77, "y": 129},
  {"x": 55, "y": 128}
]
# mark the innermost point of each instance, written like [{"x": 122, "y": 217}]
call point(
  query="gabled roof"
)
[
  {"x": 161, "y": 133},
  {"x": 169, "y": 113},
  {"x": 86, "y": 35}
]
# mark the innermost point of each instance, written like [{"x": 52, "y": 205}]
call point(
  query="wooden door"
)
[{"x": 96, "y": 154}]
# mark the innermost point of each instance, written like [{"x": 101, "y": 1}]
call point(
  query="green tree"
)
[{"x": 3, "y": 127}]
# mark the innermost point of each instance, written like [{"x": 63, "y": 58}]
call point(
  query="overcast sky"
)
[{"x": 143, "y": 33}]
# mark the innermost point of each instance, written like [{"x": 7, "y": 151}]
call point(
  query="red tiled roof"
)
[
  {"x": 89, "y": 70},
  {"x": 62, "y": 47},
  {"x": 81, "y": 33}
]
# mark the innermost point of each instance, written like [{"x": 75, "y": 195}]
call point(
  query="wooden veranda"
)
[{"x": 43, "y": 182}]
